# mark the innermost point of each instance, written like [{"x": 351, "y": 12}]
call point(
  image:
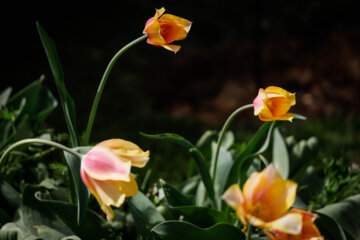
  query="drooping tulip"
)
[
  {"x": 273, "y": 103},
  {"x": 105, "y": 170},
  {"x": 163, "y": 29},
  {"x": 265, "y": 200},
  {"x": 309, "y": 231}
]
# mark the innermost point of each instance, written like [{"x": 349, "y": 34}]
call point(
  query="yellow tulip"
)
[
  {"x": 309, "y": 231},
  {"x": 265, "y": 200},
  {"x": 273, "y": 103},
  {"x": 105, "y": 170},
  {"x": 163, "y": 29}
]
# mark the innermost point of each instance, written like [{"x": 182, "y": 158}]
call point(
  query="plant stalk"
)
[
  {"x": 102, "y": 84},
  {"x": 222, "y": 134},
  {"x": 41, "y": 141}
]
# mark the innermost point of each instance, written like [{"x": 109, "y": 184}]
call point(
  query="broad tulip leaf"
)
[
  {"x": 81, "y": 193},
  {"x": 180, "y": 230},
  {"x": 8, "y": 235},
  {"x": 7, "y": 232},
  {"x": 346, "y": 213},
  {"x": 145, "y": 214},
  {"x": 67, "y": 102},
  {"x": 89, "y": 227},
  {"x": 4, "y": 96},
  {"x": 280, "y": 155},
  {"x": 330, "y": 227},
  {"x": 199, "y": 159},
  {"x": 201, "y": 216},
  {"x": 175, "y": 198},
  {"x": 48, "y": 233}
]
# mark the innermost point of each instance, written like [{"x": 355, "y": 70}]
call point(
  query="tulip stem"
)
[
  {"x": 249, "y": 232},
  {"x": 222, "y": 134},
  {"x": 102, "y": 84},
  {"x": 41, "y": 141}
]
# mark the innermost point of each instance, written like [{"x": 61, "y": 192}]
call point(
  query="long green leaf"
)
[
  {"x": 330, "y": 227},
  {"x": 179, "y": 230},
  {"x": 346, "y": 213},
  {"x": 199, "y": 159},
  {"x": 245, "y": 157},
  {"x": 8, "y": 235},
  {"x": 280, "y": 155},
  {"x": 81, "y": 193},
  {"x": 145, "y": 214},
  {"x": 175, "y": 198},
  {"x": 65, "y": 98}
]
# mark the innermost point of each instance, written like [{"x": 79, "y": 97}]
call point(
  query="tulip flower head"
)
[
  {"x": 105, "y": 170},
  {"x": 265, "y": 200},
  {"x": 163, "y": 29},
  {"x": 273, "y": 103},
  {"x": 309, "y": 231}
]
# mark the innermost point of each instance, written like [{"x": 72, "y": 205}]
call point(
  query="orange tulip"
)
[
  {"x": 273, "y": 103},
  {"x": 105, "y": 170},
  {"x": 164, "y": 29},
  {"x": 265, "y": 200},
  {"x": 309, "y": 231}
]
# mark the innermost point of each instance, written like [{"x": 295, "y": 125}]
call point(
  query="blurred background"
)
[{"x": 311, "y": 48}]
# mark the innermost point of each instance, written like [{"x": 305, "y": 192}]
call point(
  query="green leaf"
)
[
  {"x": 175, "y": 198},
  {"x": 330, "y": 227},
  {"x": 201, "y": 216},
  {"x": 200, "y": 162},
  {"x": 81, "y": 192},
  {"x": 89, "y": 227},
  {"x": 4, "y": 96},
  {"x": 11, "y": 196},
  {"x": 346, "y": 213},
  {"x": 145, "y": 214},
  {"x": 9, "y": 229},
  {"x": 65, "y": 98},
  {"x": 40, "y": 102},
  {"x": 280, "y": 155},
  {"x": 179, "y": 230},
  {"x": 48, "y": 233},
  {"x": 243, "y": 161},
  {"x": 8, "y": 235},
  {"x": 32, "y": 213}
]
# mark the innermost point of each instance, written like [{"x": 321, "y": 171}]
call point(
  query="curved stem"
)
[
  {"x": 41, "y": 141},
  {"x": 249, "y": 232},
  {"x": 222, "y": 134},
  {"x": 102, "y": 84}
]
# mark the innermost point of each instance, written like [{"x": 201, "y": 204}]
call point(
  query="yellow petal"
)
[
  {"x": 290, "y": 223},
  {"x": 178, "y": 21},
  {"x": 278, "y": 106},
  {"x": 174, "y": 48},
  {"x": 127, "y": 150},
  {"x": 277, "y": 199},
  {"x": 129, "y": 188}
]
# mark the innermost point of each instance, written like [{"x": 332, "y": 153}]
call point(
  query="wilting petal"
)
[
  {"x": 128, "y": 151},
  {"x": 102, "y": 164}
]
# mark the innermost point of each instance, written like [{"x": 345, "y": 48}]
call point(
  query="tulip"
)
[
  {"x": 309, "y": 231},
  {"x": 273, "y": 103},
  {"x": 265, "y": 200},
  {"x": 164, "y": 29},
  {"x": 105, "y": 170}
]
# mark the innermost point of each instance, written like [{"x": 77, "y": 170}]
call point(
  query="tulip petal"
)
[
  {"x": 233, "y": 196},
  {"x": 129, "y": 188},
  {"x": 102, "y": 164},
  {"x": 174, "y": 48},
  {"x": 127, "y": 150},
  {"x": 278, "y": 105},
  {"x": 178, "y": 21},
  {"x": 276, "y": 199},
  {"x": 259, "y": 101},
  {"x": 290, "y": 223}
]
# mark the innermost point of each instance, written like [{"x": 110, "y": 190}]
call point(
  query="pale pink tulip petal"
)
[{"x": 102, "y": 164}]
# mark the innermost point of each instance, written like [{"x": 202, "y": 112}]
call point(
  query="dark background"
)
[{"x": 234, "y": 47}]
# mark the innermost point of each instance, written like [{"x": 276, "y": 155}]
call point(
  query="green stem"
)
[
  {"x": 41, "y": 141},
  {"x": 249, "y": 232},
  {"x": 102, "y": 84},
  {"x": 222, "y": 134}
]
